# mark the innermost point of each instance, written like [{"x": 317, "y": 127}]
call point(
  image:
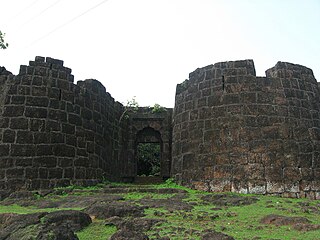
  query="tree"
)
[
  {"x": 3, "y": 44},
  {"x": 148, "y": 159}
]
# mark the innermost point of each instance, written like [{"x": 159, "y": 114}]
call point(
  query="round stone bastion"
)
[{"x": 234, "y": 131}]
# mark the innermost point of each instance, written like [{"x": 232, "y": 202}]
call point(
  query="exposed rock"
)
[
  {"x": 76, "y": 220},
  {"x": 107, "y": 210},
  {"x": 12, "y": 223},
  {"x": 229, "y": 199},
  {"x": 211, "y": 234},
  {"x": 4, "y": 194},
  {"x": 59, "y": 225},
  {"x": 133, "y": 228},
  {"x": 283, "y": 220},
  {"x": 298, "y": 223},
  {"x": 22, "y": 195},
  {"x": 125, "y": 234}
]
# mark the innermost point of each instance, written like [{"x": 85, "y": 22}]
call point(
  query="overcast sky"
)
[{"x": 143, "y": 48}]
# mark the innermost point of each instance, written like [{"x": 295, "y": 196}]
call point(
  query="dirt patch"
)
[{"x": 229, "y": 200}]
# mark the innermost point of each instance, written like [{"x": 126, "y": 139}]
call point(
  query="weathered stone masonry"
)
[
  {"x": 56, "y": 133},
  {"x": 229, "y": 130},
  {"x": 237, "y": 132}
]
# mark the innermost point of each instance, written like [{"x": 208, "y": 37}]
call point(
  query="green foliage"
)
[
  {"x": 96, "y": 230},
  {"x": 157, "y": 108},
  {"x": 131, "y": 106},
  {"x": 3, "y": 44},
  {"x": 148, "y": 159}
]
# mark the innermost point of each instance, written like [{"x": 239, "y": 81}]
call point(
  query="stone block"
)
[
  {"x": 41, "y": 137},
  {"x": 31, "y": 173},
  {"x": 56, "y": 137},
  {"x": 57, "y": 115},
  {"x": 43, "y": 173},
  {"x": 13, "y": 111},
  {"x": 15, "y": 173},
  {"x": 68, "y": 173},
  {"x": 17, "y": 100},
  {"x": 22, "y": 150},
  {"x": 37, "y": 125},
  {"x": 19, "y": 123},
  {"x": 9, "y": 136},
  {"x": 79, "y": 173},
  {"x": 24, "y": 137},
  {"x": 44, "y": 150},
  {"x": 64, "y": 150},
  {"x": 15, "y": 184},
  {"x": 81, "y": 162},
  {"x": 74, "y": 119},
  {"x": 55, "y": 173},
  {"x": 37, "y": 101},
  {"x": 71, "y": 140},
  {"x": 36, "y": 112},
  {"x": 23, "y": 162},
  {"x": 257, "y": 187},
  {"x": 64, "y": 162},
  {"x": 45, "y": 161},
  {"x": 68, "y": 128},
  {"x": 39, "y": 91}
]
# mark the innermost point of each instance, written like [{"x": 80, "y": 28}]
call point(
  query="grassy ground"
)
[{"x": 241, "y": 222}]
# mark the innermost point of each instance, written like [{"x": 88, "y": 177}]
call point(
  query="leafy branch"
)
[
  {"x": 157, "y": 108},
  {"x": 131, "y": 106},
  {"x": 3, "y": 44}
]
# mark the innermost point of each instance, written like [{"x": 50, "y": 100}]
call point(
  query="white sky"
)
[{"x": 143, "y": 48}]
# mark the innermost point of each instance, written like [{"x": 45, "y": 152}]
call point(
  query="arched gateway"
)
[{"x": 150, "y": 143}]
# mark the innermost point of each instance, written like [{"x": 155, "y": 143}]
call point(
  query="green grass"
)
[
  {"x": 14, "y": 208},
  {"x": 138, "y": 196},
  {"x": 97, "y": 230},
  {"x": 241, "y": 222}
]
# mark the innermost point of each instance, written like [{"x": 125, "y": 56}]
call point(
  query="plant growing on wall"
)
[
  {"x": 3, "y": 44},
  {"x": 157, "y": 108},
  {"x": 131, "y": 106}
]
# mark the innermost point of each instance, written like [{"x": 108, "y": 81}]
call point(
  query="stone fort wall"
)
[
  {"x": 230, "y": 130},
  {"x": 54, "y": 132},
  {"x": 237, "y": 132}
]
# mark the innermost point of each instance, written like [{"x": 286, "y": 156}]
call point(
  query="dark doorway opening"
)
[{"x": 148, "y": 159}]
